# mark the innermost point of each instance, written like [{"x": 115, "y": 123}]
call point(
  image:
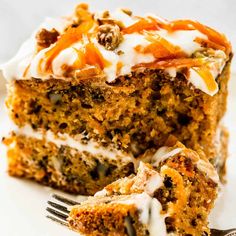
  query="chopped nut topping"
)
[
  {"x": 120, "y": 52},
  {"x": 105, "y": 14},
  {"x": 45, "y": 37},
  {"x": 110, "y": 21},
  {"x": 109, "y": 36},
  {"x": 82, "y": 13},
  {"x": 127, "y": 11},
  {"x": 83, "y": 6}
]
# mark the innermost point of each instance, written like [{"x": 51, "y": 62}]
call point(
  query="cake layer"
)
[
  {"x": 119, "y": 215},
  {"x": 57, "y": 163},
  {"x": 66, "y": 157},
  {"x": 173, "y": 195},
  {"x": 74, "y": 166},
  {"x": 133, "y": 114}
]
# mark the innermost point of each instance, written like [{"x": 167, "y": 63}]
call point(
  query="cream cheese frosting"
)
[
  {"x": 150, "y": 212},
  {"x": 15, "y": 68},
  {"x": 90, "y": 146},
  {"x": 30, "y": 63}
]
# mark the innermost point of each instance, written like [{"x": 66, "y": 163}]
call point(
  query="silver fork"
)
[{"x": 59, "y": 213}]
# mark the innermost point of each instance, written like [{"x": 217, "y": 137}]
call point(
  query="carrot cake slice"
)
[
  {"x": 171, "y": 196},
  {"x": 93, "y": 94}
]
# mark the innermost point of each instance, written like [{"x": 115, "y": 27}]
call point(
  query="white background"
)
[{"x": 22, "y": 203}]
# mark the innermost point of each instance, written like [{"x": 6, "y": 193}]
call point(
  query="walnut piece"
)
[
  {"x": 127, "y": 12},
  {"x": 109, "y": 36},
  {"x": 45, "y": 37}
]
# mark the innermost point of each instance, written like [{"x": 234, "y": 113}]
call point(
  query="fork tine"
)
[
  {"x": 57, "y": 213},
  {"x": 58, "y": 207},
  {"x": 64, "y": 223},
  {"x": 65, "y": 200},
  {"x": 57, "y": 220}
]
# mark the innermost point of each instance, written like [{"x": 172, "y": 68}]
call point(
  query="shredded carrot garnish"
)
[
  {"x": 209, "y": 44},
  {"x": 215, "y": 39},
  {"x": 141, "y": 25},
  {"x": 71, "y": 36},
  {"x": 208, "y": 78},
  {"x": 161, "y": 48},
  {"x": 177, "y": 63},
  {"x": 180, "y": 25},
  {"x": 212, "y": 34},
  {"x": 26, "y": 71},
  {"x": 80, "y": 61},
  {"x": 89, "y": 55},
  {"x": 119, "y": 66},
  {"x": 162, "y": 23},
  {"x": 82, "y": 12},
  {"x": 94, "y": 57}
]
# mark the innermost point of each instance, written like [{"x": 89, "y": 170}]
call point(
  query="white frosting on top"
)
[
  {"x": 216, "y": 67},
  {"x": 184, "y": 39},
  {"x": 199, "y": 82},
  {"x": 15, "y": 68},
  {"x": 218, "y": 64},
  {"x": 126, "y": 58},
  {"x": 150, "y": 213},
  {"x": 66, "y": 57},
  {"x": 34, "y": 66},
  {"x": 119, "y": 15},
  {"x": 131, "y": 57},
  {"x": 64, "y": 139}
]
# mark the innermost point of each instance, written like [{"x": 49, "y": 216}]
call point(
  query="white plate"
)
[{"x": 23, "y": 203}]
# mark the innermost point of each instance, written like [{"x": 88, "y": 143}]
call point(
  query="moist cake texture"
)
[
  {"x": 92, "y": 95},
  {"x": 171, "y": 196}
]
